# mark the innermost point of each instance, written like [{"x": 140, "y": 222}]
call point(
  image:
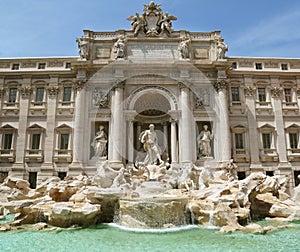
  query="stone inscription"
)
[
  {"x": 152, "y": 51},
  {"x": 103, "y": 53}
]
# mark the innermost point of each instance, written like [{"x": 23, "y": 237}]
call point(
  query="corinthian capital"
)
[
  {"x": 249, "y": 91},
  {"x": 79, "y": 84},
  {"x": 221, "y": 84},
  {"x": 276, "y": 92},
  {"x": 52, "y": 91},
  {"x": 25, "y": 91}
]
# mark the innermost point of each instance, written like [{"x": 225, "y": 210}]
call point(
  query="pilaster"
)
[
  {"x": 250, "y": 94},
  {"x": 277, "y": 93},
  {"x": 52, "y": 92},
  {"x": 22, "y": 130}
]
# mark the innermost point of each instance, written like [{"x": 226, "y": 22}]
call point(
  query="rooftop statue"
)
[
  {"x": 222, "y": 48},
  {"x": 83, "y": 49},
  {"x": 153, "y": 22},
  {"x": 183, "y": 48},
  {"x": 119, "y": 47}
]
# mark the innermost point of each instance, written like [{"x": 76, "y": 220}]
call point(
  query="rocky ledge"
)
[{"x": 187, "y": 195}]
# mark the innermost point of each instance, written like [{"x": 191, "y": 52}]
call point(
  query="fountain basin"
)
[{"x": 160, "y": 212}]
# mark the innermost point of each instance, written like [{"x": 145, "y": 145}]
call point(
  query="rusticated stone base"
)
[{"x": 153, "y": 212}]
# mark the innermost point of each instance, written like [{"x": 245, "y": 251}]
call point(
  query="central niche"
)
[{"x": 152, "y": 107}]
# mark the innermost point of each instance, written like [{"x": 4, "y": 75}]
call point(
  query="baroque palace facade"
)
[{"x": 51, "y": 108}]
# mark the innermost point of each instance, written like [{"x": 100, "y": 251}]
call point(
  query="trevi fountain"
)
[{"x": 151, "y": 204}]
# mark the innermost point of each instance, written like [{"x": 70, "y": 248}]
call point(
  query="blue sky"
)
[{"x": 258, "y": 28}]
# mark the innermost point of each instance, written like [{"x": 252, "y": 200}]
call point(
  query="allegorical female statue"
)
[
  {"x": 203, "y": 141},
  {"x": 119, "y": 47},
  {"x": 100, "y": 142},
  {"x": 183, "y": 48}
]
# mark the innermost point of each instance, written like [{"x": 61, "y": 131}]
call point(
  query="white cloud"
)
[{"x": 279, "y": 29}]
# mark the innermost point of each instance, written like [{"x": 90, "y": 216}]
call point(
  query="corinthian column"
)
[
  {"x": 186, "y": 153},
  {"x": 174, "y": 148},
  {"x": 78, "y": 141},
  {"x": 224, "y": 127},
  {"x": 117, "y": 127}
]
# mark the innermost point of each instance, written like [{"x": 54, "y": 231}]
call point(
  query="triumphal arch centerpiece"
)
[{"x": 151, "y": 74}]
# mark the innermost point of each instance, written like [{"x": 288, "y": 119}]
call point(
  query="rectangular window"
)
[
  {"x": 270, "y": 173},
  {"x": 258, "y": 66},
  {"x": 12, "y": 97},
  {"x": 67, "y": 94},
  {"x": 288, "y": 94},
  {"x": 68, "y": 65},
  {"x": 15, "y": 67},
  {"x": 42, "y": 66},
  {"x": 293, "y": 140},
  {"x": 235, "y": 94},
  {"x": 64, "y": 141},
  {"x": 7, "y": 141},
  {"x": 234, "y": 65},
  {"x": 239, "y": 141},
  {"x": 284, "y": 67},
  {"x": 262, "y": 94},
  {"x": 35, "y": 142},
  {"x": 39, "y": 96},
  {"x": 267, "y": 139}
]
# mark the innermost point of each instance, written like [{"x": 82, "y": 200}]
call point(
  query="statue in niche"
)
[
  {"x": 149, "y": 139},
  {"x": 204, "y": 142},
  {"x": 119, "y": 47},
  {"x": 222, "y": 48},
  {"x": 183, "y": 48},
  {"x": 82, "y": 48},
  {"x": 99, "y": 143},
  {"x": 138, "y": 23}
]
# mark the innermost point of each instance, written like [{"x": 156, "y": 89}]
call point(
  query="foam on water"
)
[{"x": 161, "y": 230}]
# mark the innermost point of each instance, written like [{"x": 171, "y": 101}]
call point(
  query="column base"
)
[
  {"x": 255, "y": 166},
  {"x": 17, "y": 170},
  {"x": 284, "y": 165},
  {"x": 75, "y": 169},
  {"x": 117, "y": 165},
  {"x": 47, "y": 167}
]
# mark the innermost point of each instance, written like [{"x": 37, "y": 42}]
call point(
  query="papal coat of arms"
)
[{"x": 153, "y": 22}]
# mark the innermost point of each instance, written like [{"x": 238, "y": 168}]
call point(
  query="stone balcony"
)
[
  {"x": 34, "y": 155},
  {"x": 269, "y": 155},
  {"x": 64, "y": 156},
  {"x": 7, "y": 155}
]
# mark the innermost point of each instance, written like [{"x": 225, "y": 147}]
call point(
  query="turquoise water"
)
[{"x": 109, "y": 239}]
